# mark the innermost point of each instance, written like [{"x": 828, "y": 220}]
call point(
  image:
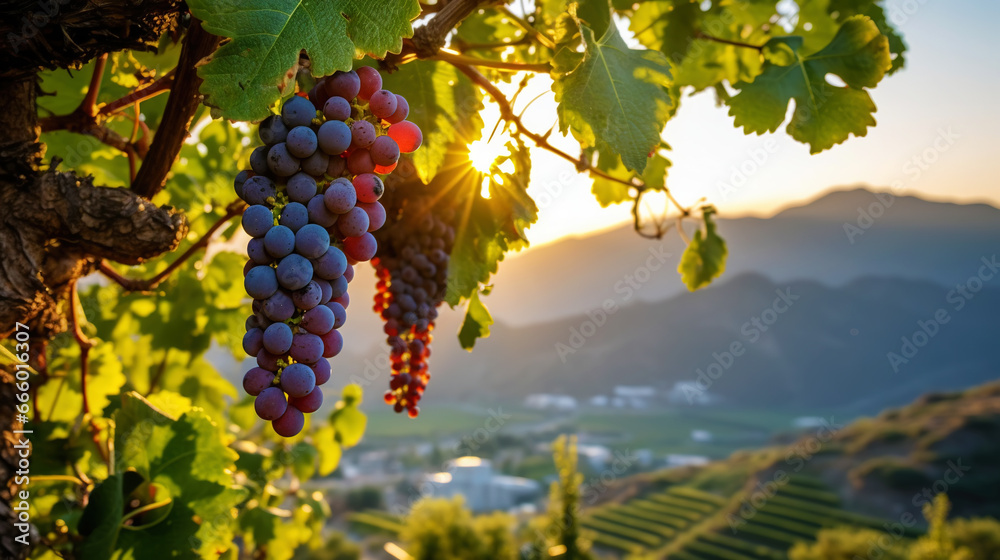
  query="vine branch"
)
[
  {"x": 85, "y": 344},
  {"x": 707, "y": 37},
  {"x": 160, "y": 85},
  {"x": 529, "y": 29},
  {"x": 455, "y": 58},
  {"x": 234, "y": 209}
]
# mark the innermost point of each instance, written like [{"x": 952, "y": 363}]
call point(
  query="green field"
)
[
  {"x": 799, "y": 510},
  {"x": 661, "y": 431}
]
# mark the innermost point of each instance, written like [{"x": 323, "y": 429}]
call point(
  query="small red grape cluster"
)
[
  {"x": 412, "y": 272},
  {"x": 313, "y": 192}
]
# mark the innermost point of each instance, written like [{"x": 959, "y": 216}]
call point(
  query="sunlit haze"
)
[{"x": 936, "y": 137}]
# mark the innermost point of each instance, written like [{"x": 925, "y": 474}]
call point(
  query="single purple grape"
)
[{"x": 270, "y": 403}]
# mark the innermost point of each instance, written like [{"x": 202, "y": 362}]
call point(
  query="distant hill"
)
[
  {"x": 912, "y": 239},
  {"x": 829, "y": 348},
  {"x": 875, "y": 473}
]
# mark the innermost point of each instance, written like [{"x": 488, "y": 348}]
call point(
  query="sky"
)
[{"x": 940, "y": 109}]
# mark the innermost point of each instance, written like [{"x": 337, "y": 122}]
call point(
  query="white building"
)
[
  {"x": 635, "y": 396},
  {"x": 690, "y": 393},
  {"x": 545, "y": 401},
  {"x": 483, "y": 489}
]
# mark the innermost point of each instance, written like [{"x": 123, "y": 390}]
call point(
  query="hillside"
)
[
  {"x": 828, "y": 348},
  {"x": 874, "y": 473}
]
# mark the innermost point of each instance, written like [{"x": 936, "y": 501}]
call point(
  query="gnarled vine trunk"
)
[{"x": 54, "y": 225}]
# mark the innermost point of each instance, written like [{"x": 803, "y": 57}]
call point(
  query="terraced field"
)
[
  {"x": 649, "y": 523},
  {"x": 795, "y": 513}
]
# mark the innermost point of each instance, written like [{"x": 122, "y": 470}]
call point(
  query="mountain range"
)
[{"x": 841, "y": 284}]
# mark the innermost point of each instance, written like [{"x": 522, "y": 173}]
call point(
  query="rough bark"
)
[
  {"x": 40, "y": 34},
  {"x": 51, "y": 231}
]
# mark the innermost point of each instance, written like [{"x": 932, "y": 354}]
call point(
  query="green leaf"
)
[
  {"x": 190, "y": 460},
  {"x": 487, "y": 227},
  {"x": 669, "y": 26},
  {"x": 247, "y": 74},
  {"x": 325, "y": 441},
  {"x": 610, "y": 192},
  {"x": 476, "y": 324},
  {"x": 62, "y": 399},
  {"x": 610, "y": 96},
  {"x": 673, "y": 28},
  {"x": 349, "y": 422},
  {"x": 352, "y": 395},
  {"x": 273, "y": 532},
  {"x": 101, "y": 519},
  {"x": 443, "y": 103},
  {"x": 825, "y": 115},
  {"x": 304, "y": 460},
  {"x": 705, "y": 256},
  {"x": 844, "y": 9}
]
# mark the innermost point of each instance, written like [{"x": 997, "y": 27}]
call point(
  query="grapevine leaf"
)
[
  {"x": 610, "y": 96},
  {"x": 673, "y": 28},
  {"x": 350, "y": 425},
  {"x": 669, "y": 26},
  {"x": 189, "y": 459},
  {"x": 610, "y": 192},
  {"x": 268, "y": 529},
  {"x": 442, "y": 101},
  {"x": 348, "y": 421},
  {"x": 325, "y": 440},
  {"x": 64, "y": 401},
  {"x": 705, "y": 256},
  {"x": 352, "y": 394},
  {"x": 488, "y": 227},
  {"x": 304, "y": 460},
  {"x": 101, "y": 519},
  {"x": 819, "y": 20},
  {"x": 247, "y": 74},
  {"x": 825, "y": 115},
  {"x": 477, "y": 323}
]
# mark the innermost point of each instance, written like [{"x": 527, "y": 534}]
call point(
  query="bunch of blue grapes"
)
[{"x": 313, "y": 191}]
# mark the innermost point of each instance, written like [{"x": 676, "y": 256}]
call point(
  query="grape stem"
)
[
  {"x": 456, "y": 58},
  {"x": 234, "y": 209},
  {"x": 528, "y": 28},
  {"x": 85, "y": 344},
  {"x": 161, "y": 85},
  {"x": 463, "y": 46},
  {"x": 707, "y": 37},
  {"x": 90, "y": 100}
]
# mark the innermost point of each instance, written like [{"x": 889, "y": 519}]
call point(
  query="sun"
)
[{"x": 484, "y": 154}]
